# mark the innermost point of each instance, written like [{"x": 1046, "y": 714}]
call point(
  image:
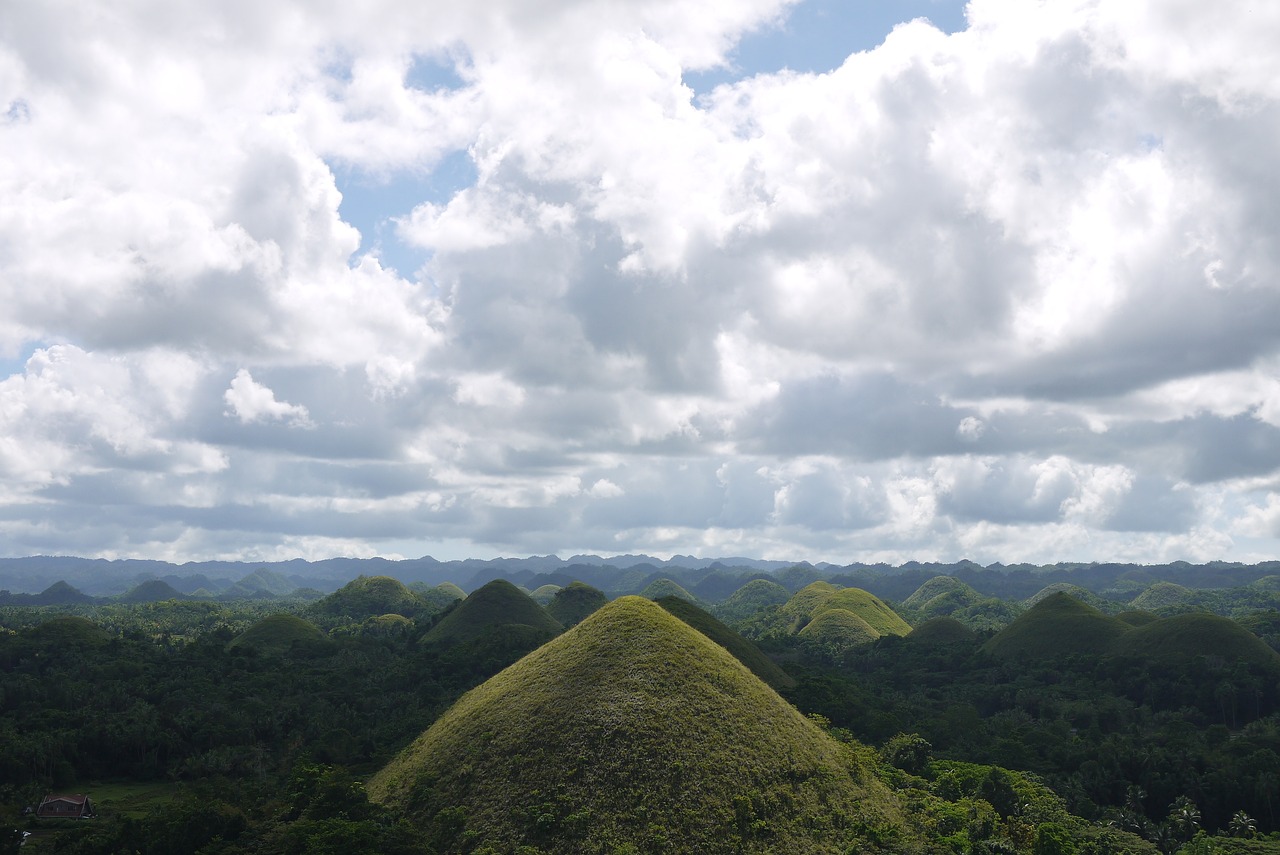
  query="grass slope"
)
[
  {"x": 750, "y": 598},
  {"x": 660, "y": 588},
  {"x": 573, "y": 603},
  {"x": 152, "y": 591},
  {"x": 805, "y": 602},
  {"x": 869, "y": 607},
  {"x": 278, "y": 634},
  {"x": 1187, "y": 637},
  {"x": 498, "y": 603},
  {"x": 634, "y": 732},
  {"x": 836, "y": 630},
  {"x": 742, "y": 649},
  {"x": 1059, "y": 625},
  {"x": 939, "y": 590},
  {"x": 1084, "y": 595},
  {"x": 370, "y": 596},
  {"x": 542, "y": 595},
  {"x": 1163, "y": 595}
]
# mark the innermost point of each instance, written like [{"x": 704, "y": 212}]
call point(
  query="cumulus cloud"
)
[
  {"x": 1005, "y": 293},
  {"x": 250, "y": 401}
]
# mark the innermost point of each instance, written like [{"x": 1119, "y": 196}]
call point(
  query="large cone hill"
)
[{"x": 634, "y": 732}]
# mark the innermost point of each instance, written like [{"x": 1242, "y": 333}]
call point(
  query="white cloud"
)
[{"x": 250, "y": 401}]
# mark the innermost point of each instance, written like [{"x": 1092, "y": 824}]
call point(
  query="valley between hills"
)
[{"x": 591, "y": 708}]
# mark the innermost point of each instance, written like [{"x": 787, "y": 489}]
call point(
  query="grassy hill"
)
[
  {"x": 369, "y": 596},
  {"x": 543, "y": 594},
  {"x": 61, "y": 594},
  {"x": 633, "y": 732},
  {"x": 805, "y": 602},
  {"x": 869, "y": 607},
  {"x": 835, "y": 631},
  {"x": 574, "y": 602},
  {"x": 278, "y": 634},
  {"x": 751, "y": 598},
  {"x": 942, "y": 595},
  {"x": 1058, "y": 625},
  {"x": 496, "y": 604},
  {"x": 1084, "y": 595},
  {"x": 1163, "y": 595},
  {"x": 742, "y": 649},
  {"x": 152, "y": 591},
  {"x": 438, "y": 597},
  {"x": 660, "y": 588},
  {"x": 1188, "y": 637}
]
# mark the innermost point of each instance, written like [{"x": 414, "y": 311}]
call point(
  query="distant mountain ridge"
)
[{"x": 709, "y": 579}]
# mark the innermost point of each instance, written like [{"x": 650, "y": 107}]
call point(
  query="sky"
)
[{"x": 792, "y": 279}]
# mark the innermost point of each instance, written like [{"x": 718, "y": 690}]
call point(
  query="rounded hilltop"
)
[
  {"x": 633, "y": 732},
  {"x": 496, "y": 604}
]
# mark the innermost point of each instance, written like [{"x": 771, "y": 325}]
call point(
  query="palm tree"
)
[
  {"x": 1242, "y": 825},
  {"x": 1185, "y": 816}
]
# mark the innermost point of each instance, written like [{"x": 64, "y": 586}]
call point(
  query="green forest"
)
[{"x": 714, "y": 712}]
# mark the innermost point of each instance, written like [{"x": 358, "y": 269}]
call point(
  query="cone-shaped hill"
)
[
  {"x": 152, "y": 591},
  {"x": 805, "y": 602},
  {"x": 867, "y": 606},
  {"x": 1076, "y": 592},
  {"x": 941, "y": 630},
  {"x": 61, "y": 594},
  {"x": 574, "y": 602},
  {"x": 278, "y": 634},
  {"x": 370, "y": 596},
  {"x": 1057, "y": 626},
  {"x": 542, "y": 595},
  {"x": 660, "y": 588},
  {"x": 1188, "y": 637},
  {"x": 496, "y": 604},
  {"x": 1163, "y": 595},
  {"x": 633, "y": 732},
  {"x": 742, "y": 649},
  {"x": 836, "y": 630},
  {"x": 814, "y": 599},
  {"x": 438, "y": 597},
  {"x": 942, "y": 595},
  {"x": 750, "y": 598}
]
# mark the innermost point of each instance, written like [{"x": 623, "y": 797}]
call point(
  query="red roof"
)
[{"x": 72, "y": 804}]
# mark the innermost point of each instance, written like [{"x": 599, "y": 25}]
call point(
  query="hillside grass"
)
[
  {"x": 277, "y": 634},
  {"x": 1058, "y": 625},
  {"x": 745, "y": 602},
  {"x": 370, "y": 596},
  {"x": 496, "y": 604},
  {"x": 1187, "y": 637},
  {"x": 742, "y": 649},
  {"x": 634, "y": 732},
  {"x": 573, "y": 603},
  {"x": 869, "y": 607}
]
